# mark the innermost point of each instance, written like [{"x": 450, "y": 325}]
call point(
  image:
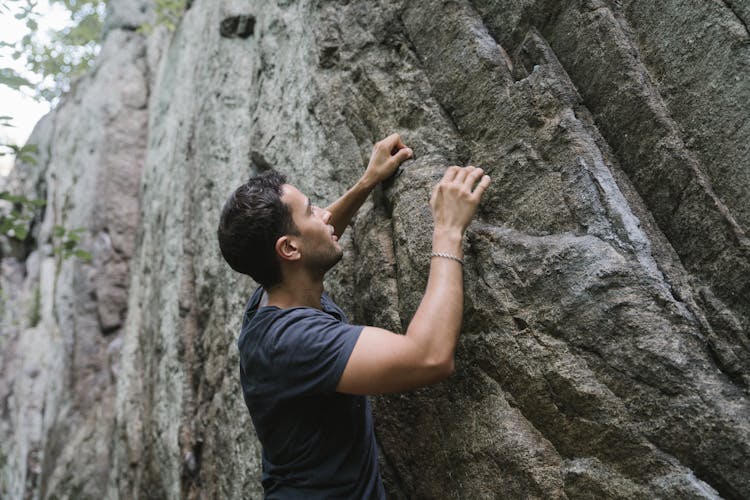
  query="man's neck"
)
[{"x": 298, "y": 292}]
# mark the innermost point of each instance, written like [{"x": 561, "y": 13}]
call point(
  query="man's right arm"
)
[{"x": 383, "y": 361}]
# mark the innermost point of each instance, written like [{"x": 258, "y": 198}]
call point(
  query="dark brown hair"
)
[{"x": 253, "y": 218}]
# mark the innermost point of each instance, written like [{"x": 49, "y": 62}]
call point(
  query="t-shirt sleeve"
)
[{"x": 312, "y": 350}]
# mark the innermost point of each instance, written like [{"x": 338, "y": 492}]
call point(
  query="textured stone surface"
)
[
  {"x": 62, "y": 320},
  {"x": 128, "y": 15},
  {"x": 604, "y": 352}
]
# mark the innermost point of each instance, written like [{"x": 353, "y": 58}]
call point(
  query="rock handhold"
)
[{"x": 237, "y": 26}]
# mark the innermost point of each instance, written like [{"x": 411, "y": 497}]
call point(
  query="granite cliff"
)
[{"x": 605, "y": 351}]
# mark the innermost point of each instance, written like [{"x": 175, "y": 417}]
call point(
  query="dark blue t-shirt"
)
[{"x": 317, "y": 443}]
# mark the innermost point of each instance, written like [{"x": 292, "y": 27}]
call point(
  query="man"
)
[{"x": 305, "y": 371}]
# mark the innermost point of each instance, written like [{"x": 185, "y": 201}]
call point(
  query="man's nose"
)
[
  {"x": 326, "y": 216},
  {"x": 323, "y": 214}
]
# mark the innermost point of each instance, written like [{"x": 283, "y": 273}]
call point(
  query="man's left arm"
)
[{"x": 386, "y": 156}]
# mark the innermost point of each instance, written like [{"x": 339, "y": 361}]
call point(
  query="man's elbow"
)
[
  {"x": 449, "y": 367},
  {"x": 441, "y": 369}
]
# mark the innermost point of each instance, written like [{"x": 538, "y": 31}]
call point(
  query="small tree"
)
[{"x": 53, "y": 59}]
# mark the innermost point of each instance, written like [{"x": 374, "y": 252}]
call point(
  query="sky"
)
[{"x": 24, "y": 110}]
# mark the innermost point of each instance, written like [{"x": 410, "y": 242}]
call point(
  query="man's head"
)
[{"x": 267, "y": 223}]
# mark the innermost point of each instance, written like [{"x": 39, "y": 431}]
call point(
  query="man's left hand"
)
[{"x": 386, "y": 156}]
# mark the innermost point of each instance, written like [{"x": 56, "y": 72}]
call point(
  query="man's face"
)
[{"x": 317, "y": 244}]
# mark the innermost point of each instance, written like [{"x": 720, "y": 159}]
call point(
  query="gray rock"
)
[
  {"x": 60, "y": 317},
  {"x": 604, "y": 351},
  {"x": 128, "y": 14}
]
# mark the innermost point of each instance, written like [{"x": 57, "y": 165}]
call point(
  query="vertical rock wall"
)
[
  {"x": 605, "y": 349},
  {"x": 62, "y": 319}
]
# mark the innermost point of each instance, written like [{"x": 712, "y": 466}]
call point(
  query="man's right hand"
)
[
  {"x": 455, "y": 198},
  {"x": 386, "y": 156}
]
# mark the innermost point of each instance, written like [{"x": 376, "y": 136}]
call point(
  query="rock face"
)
[
  {"x": 605, "y": 351},
  {"x": 62, "y": 320}
]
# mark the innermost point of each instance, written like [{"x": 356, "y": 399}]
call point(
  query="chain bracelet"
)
[{"x": 447, "y": 256}]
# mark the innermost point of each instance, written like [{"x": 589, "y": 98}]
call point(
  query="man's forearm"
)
[
  {"x": 343, "y": 209},
  {"x": 386, "y": 156},
  {"x": 437, "y": 322}
]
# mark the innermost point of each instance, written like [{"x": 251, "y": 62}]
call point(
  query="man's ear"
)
[{"x": 286, "y": 248}]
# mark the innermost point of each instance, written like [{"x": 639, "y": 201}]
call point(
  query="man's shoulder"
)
[
  {"x": 305, "y": 347},
  {"x": 273, "y": 327}
]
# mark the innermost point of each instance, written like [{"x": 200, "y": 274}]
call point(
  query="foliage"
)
[
  {"x": 55, "y": 58},
  {"x": 15, "y": 221},
  {"x": 10, "y": 78},
  {"x": 59, "y": 56},
  {"x": 26, "y": 153},
  {"x": 67, "y": 243}
]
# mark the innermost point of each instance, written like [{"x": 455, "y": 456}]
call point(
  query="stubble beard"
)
[{"x": 326, "y": 259}]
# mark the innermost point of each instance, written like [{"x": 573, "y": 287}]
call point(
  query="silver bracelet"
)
[{"x": 447, "y": 256}]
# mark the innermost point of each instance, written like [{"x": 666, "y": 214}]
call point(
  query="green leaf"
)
[
  {"x": 20, "y": 232},
  {"x": 82, "y": 254},
  {"x": 12, "y": 198},
  {"x": 31, "y": 160},
  {"x": 27, "y": 154},
  {"x": 57, "y": 57},
  {"x": 10, "y": 78}
]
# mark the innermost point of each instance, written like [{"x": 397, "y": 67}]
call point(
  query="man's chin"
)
[
  {"x": 333, "y": 259},
  {"x": 337, "y": 256}
]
